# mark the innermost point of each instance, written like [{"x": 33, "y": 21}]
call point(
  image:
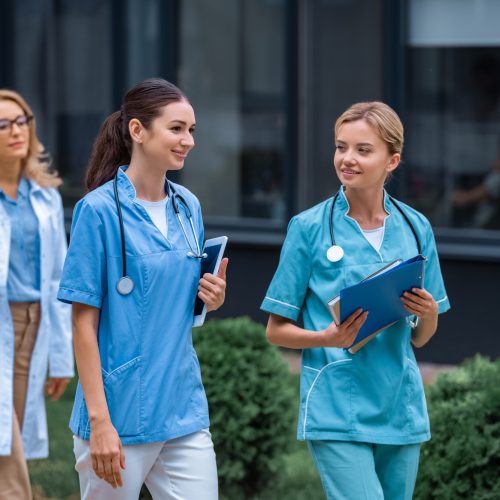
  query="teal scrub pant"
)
[{"x": 366, "y": 471}]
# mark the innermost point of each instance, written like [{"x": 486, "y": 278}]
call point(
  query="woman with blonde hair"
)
[
  {"x": 363, "y": 415},
  {"x": 35, "y": 328}
]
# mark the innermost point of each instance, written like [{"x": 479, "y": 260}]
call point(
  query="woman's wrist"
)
[{"x": 99, "y": 418}]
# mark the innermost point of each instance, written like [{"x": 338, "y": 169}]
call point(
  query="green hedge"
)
[
  {"x": 251, "y": 398},
  {"x": 463, "y": 458},
  {"x": 253, "y": 404}
]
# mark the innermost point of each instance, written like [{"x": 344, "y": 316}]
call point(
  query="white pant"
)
[{"x": 180, "y": 469}]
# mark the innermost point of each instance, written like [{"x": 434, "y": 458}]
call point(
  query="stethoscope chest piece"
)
[
  {"x": 125, "y": 285},
  {"x": 335, "y": 253}
]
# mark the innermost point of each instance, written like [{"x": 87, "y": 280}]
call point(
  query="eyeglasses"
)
[{"x": 6, "y": 124}]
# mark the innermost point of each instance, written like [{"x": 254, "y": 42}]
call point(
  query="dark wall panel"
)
[{"x": 471, "y": 325}]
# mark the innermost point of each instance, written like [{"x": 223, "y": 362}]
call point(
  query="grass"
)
[{"x": 54, "y": 478}]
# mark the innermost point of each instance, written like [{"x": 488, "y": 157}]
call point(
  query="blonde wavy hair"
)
[
  {"x": 382, "y": 117},
  {"x": 32, "y": 166}
]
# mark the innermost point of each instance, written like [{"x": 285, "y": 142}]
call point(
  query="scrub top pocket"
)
[
  {"x": 327, "y": 398},
  {"x": 122, "y": 388}
]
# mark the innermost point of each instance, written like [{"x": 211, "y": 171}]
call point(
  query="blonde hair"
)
[
  {"x": 32, "y": 166},
  {"x": 382, "y": 117}
]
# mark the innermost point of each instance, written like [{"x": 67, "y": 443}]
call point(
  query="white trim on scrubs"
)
[
  {"x": 150, "y": 371},
  {"x": 375, "y": 395}
]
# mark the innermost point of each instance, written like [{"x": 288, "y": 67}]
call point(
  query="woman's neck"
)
[
  {"x": 366, "y": 207},
  {"x": 149, "y": 183},
  {"x": 10, "y": 174}
]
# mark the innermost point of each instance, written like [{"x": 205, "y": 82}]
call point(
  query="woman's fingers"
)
[
  {"x": 345, "y": 334},
  {"x": 211, "y": 291},
  {"x": 122, "y": 457},
  {"x": 352, "y": 318},
  {"x": 108, "y": 471},
  {"x": 117, "y": 477},
  {"x": 107, "y": 467},
  {"x": 100, "y": 471},
  {"x": 58, "y": 387},
  {"x": 94, "y": 463},
  {"x": 223, "y": 268},
  {"x": 107, "y": 453}
]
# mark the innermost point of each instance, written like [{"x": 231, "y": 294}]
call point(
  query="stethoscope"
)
[
  {"x": 125, "y": 284},
  {"x": 335, "y": 253}
]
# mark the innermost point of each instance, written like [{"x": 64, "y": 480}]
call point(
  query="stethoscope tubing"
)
[
  {"x": 125, "y": 284},
  {"x": 394, "y": 202},
  {"x": 122, "y": 229}
]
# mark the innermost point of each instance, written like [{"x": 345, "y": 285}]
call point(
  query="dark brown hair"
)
[{"x": 113, "y": 145}]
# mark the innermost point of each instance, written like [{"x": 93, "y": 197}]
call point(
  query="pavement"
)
[{"x": 429, "y": 371}]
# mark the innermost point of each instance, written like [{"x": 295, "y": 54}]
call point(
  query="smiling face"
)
[
  {"x": 168, "y": 140},
  {"x": 362, "y": 159},
  {"x": 14, "y": 140}
]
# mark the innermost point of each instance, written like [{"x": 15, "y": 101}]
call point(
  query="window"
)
[
  {"x": 62, "y": 65},
  {"x": 232, "y": 68},
  {"x": 452, "y": 94}
]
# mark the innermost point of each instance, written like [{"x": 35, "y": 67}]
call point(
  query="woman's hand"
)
[
  {"x": 344, "y": 334},
  {"x": 420, "y": 303},
  {"x": 55, "y": 387},
  {"x": 106, "y": 452},
  {"x": 212, "y": 289}
]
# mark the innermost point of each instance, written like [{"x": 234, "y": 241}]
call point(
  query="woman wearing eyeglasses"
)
[{"x": 35, "y": 328}]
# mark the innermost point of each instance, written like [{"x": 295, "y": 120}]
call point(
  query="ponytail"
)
[
  {"x": 111, "y": 149},
  {"x": 113, "y": 145}
]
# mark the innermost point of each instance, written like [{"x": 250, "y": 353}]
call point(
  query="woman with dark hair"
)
[
  {"x": 35, "y": 328},
  {"x": 132, "y": 274}
]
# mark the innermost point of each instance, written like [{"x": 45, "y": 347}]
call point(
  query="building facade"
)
[{"x": 267, "y": 79}]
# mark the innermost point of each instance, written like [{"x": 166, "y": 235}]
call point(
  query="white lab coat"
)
[{"x": 53, "y": 348}]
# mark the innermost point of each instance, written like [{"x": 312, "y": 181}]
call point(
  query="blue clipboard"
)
[{"x": 381, "y": 297}]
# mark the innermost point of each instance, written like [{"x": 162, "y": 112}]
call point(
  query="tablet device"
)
[{"x": 214, "y": 250}]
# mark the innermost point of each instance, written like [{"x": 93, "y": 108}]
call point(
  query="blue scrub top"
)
[
  {"x": 375, "y": 395},
  {"x": 150, "y": 370}
]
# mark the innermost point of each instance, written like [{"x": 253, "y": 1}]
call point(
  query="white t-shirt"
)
[
  {"x": 158, "y": 213},
  {"x": 374, "y": 236}
]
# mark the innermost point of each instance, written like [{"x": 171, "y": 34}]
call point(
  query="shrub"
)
[
  {"x": 463, "y": 458},
  {"x": 251, "y": 399}
]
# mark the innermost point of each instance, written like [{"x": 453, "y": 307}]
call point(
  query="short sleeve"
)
[
  {"x": 433, "y": 279},
  {"x": 288, "y": 288},
  {"x": 84, "y": 275}
]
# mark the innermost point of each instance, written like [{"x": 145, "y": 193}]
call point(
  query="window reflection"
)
[
  {"x": 235, "y": 79},
  {"x": 452, "y": 158}
]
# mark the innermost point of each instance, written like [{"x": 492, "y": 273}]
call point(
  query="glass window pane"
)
[
  {"x": 341, "y": 64},
  {"x": 452, "y": 157},
  {"x": 143, "y": 40},
  {"x": 235, "y": 79},
  {"x": 63, "y": 55}
]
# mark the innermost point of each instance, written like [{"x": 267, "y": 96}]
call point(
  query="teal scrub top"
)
[{"x": 375, "y": 395}]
